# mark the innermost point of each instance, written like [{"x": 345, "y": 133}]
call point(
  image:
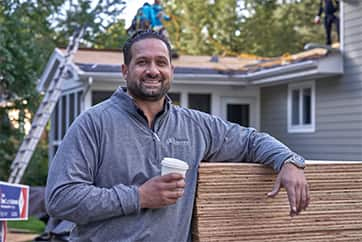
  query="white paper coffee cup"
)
[{"x": 169, "y": 165}]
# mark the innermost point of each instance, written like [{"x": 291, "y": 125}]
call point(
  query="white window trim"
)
[
  {"x": 251, "y": 101},
  {"x": 301, "y": 128}
]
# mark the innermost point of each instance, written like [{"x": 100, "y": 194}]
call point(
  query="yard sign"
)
[{"x": 14, "y": 201}]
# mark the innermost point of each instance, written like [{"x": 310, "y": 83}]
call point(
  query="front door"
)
[{"x": 239, "y": 110}]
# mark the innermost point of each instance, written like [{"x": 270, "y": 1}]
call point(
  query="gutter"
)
[
  {"x": 277, "y": 71},
  {"x": 295, "y": 71},
  {"x": 211, "y": 79}
]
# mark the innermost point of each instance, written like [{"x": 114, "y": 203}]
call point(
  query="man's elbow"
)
[{"x": 55, "y": 209}]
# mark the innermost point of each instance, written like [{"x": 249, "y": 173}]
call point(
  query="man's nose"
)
[{"x": 152, "y": 69}]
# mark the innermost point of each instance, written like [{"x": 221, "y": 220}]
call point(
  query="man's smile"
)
[{"x": 151, "y": 82}]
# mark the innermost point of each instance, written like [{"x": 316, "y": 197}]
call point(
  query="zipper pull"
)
[{"x": 156, "y": 136}]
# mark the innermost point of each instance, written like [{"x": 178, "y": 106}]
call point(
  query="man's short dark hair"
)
[{"x": 140, "y": 35}]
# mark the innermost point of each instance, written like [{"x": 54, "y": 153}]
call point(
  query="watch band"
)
[{"x": 296, "y": 160}]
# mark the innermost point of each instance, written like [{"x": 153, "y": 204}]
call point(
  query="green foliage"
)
[
  {"x": 275, "y": 29},
  {"x": 114, "y": 36},
  {"x": 29, "y": 31},
  {"x": 9, "y": 141},
  {"x": 96, "y": 16},
  {"x": 32, "y": 225},
  {"x": 198, "y": 27},
  {"x": 229, "y": 27},
  {"x": 25, "y": 47},
  {"x": 21, "y": 36},
  {"x": 37, "y": 171}
]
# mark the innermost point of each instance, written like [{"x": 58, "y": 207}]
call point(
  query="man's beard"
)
[{"x": 138, "y": 90}]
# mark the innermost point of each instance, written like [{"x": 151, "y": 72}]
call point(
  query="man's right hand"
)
[
  {"x": 317, "y": 20},
  {"x": 161, "y": 191}
]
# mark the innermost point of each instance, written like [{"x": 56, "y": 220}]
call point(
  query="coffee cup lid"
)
[{"x": 175, "y": 163}]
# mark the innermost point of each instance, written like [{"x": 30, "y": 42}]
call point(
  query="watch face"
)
[{"x": 298, "y": 160}]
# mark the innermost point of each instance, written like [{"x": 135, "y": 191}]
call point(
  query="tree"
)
[
  {"x": 97, "y": 16},
  {"x": 202, "y": 27},
  {"x": 24, "y": 47},
  {"x": 231, "y": 27},
  {"x": 29, "y": 31},
  {"x": 276, "y": 29},
  {"x": 113, "y": 37}
]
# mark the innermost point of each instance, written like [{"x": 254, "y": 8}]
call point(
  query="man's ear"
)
[
  {"x": 172, "y": 68},
  {"x": 124, "y": 71}
]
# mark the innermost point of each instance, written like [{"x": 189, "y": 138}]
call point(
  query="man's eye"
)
[
  {"x": 141, "y": 62},
  {"x": 162, "y": 63}
]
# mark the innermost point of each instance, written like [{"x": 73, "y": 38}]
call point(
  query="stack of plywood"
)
[{"x": 231, "y": 204}]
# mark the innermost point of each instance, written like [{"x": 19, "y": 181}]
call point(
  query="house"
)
[{"x": 311, "y": 101}]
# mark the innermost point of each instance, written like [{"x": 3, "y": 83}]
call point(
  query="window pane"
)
[
  {"x": 200, "y": 102},
  {"x": 56, "y": 121},
  {"x": 295, "y": 107},
  {"x": 99, "y": 96},
  {"x": 238, "y": 113},
  {"x": 71, "y": 108},
  {"x": 307, "y": 109},
  {"x": 175, "y": 97},
  {"x": 63, "y": 115},
  {"x": 79, "y": 100}
]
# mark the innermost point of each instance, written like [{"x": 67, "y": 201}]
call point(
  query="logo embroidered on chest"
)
[{"x": 177, "y": 141}]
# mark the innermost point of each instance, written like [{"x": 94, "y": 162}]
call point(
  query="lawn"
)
[{"x": 33, "y": 225}]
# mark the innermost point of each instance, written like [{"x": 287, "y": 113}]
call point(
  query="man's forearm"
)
[
  {"x": 267, "y": 150},
  {"x": 83, "y": 203}
]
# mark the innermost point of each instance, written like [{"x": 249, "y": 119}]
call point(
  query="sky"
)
[{"x": 131, "y": 9}]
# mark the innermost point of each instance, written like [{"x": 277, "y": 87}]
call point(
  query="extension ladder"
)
[{"x": 42, "y": 115}]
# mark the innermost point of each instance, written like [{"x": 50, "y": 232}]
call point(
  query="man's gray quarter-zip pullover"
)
[{"x": 109, "y": 151}]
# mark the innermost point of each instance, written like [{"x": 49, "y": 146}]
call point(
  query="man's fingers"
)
[
  {"x": 298, "y": 198},
  {"x": 171, "y": 177},
  {"x": 292, "y": 201},
  {"x": 305, "y": 197},
  {"x": 175, "y": 194},
  {"x": 173, "y": 185},
  {"x": 276, "y": 188}
]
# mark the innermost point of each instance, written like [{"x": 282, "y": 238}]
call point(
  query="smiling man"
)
[{"x": 106, "y": 177}]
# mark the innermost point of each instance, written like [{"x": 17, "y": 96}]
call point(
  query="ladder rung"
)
[
  {"x": 39, "y": 122},
  {"x": 55, "y": 91},
  {"x": 24, "y": 150},
  {"x": 32, "y": 137},
  {"x": 49, "y": 108},
  {"x": 39, "y": 114},
  {"x": 29, "y": 144},
  {"x": 44, "y": 103},
  {"x": 43, "y": 114},
  {"x": 36, "y": 130},
  {"x": 19, "y": 162}
]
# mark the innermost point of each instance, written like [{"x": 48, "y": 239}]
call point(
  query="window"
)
[
  {"x": 201, "y": 102},
  {"x": 301, "y": 107},
  {"x": 238, "y": 113},
  {"x": 100, "y": 96},
  {"x": 66, "y": 110},
  {"x": 175, "y": 98}
]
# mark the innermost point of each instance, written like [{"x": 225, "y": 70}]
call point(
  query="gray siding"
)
[{"x": 338, "y": 133}]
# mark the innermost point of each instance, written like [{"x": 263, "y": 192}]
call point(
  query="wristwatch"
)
[{"x": 296, "y": 160}]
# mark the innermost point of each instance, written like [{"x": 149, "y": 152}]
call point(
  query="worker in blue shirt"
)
[
  {"x": 160, "y": 16},
  {"x": 144, "y": 19}
]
